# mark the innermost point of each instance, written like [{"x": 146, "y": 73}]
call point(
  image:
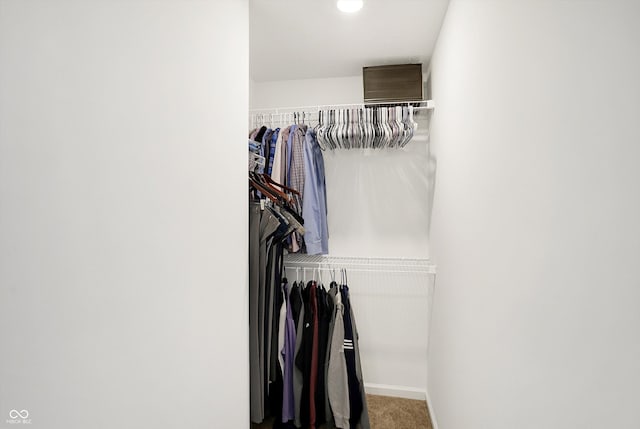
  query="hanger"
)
[
  {"x": 264, "y": 191},
  {"x": 259, "y": 179},
  {"x": 273, "y": 194},
  {"x": 268, "y": 179},
  {"x": 304, "y": 274}
]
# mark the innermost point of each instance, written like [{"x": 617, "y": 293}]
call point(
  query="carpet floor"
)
[
  {"x": 397, "y": 413},
  {"x": 390, "y": 413}
]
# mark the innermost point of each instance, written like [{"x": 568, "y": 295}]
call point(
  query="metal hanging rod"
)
[
  {"x": 425, "y": 104},
  {"x": 368, "y": 260},
  {"x": 395, "y": 265},
  {"x": 363, "y": 270}
]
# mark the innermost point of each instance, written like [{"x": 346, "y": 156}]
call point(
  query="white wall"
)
[
  {"x": 306, "y": 92},
  {"x": 123, "y": 289},
  {"x": 535, "y": 228}
]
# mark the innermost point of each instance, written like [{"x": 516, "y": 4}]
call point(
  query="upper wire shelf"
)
[{"x": 417, "y": 105}]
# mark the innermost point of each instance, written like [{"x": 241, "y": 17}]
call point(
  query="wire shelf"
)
[
  {"x": 397, "y": 265},
  {"x": 421, "y": 104}
]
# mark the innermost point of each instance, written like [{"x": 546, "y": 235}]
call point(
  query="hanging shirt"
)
[
  {"x": 288, "y": 355},
  {"x": 299, "y": 316},
  {"x": 355, "y": 395},
  {"x": 266, "y": 139},
  {"x": 281, "y": 325},
  {"x": 313, "y": 382},
  {"x": 260, "y": 134},
  {"x": 288, "y": 158},
  {"x": 303, "y": 358},
  {"x": 296, "y": 163},
  {"x": 337, "y": 381},
  {"x": 325, "y": 308},
  {"x": 253, "y": 134},
  {"x": 277, "y": 171},
  {"x": 295, "y": 175},
  {"x": 331, "y": 294},
  {"x": 264, "y": 224},
  {"x": 314, "y": 203},
  {"x": 272, "y": 151}
]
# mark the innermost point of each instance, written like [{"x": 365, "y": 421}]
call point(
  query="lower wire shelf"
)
[{"x": 327, "y": 262}]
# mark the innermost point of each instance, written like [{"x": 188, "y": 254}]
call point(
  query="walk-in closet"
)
[
  {"x": 345, "y": 137},
  {"x": 279, "y": 214}
]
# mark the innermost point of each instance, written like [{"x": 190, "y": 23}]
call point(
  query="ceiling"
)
[{"x": 304, "y": 39}]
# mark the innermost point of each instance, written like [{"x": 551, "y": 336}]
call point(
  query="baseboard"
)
[
  {"x": 395, "y": 391},
  {"x": 432, "y": 413}
]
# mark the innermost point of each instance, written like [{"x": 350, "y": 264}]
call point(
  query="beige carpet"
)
[
  {"x": 397, "y": 413},
  {"x": 390, "y": 413}
]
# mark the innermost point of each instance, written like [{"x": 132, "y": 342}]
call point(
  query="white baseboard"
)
[
  {"x": 395, "y": 391},
  {"x": 432, "y": 413}
]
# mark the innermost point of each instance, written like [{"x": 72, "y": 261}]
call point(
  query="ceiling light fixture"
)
[{"x": 350, "y": 6}]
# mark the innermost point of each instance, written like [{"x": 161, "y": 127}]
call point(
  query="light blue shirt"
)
[{"x": 314, "y": 201}]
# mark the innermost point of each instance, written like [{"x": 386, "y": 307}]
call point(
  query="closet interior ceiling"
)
[{"x": 308, "y": 39}]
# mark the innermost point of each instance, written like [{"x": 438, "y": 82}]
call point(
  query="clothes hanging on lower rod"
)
[
  {"x": 293, "y": 158},
  {"x": 305, "y": 363},
  {"x": 268, "y": 231}
]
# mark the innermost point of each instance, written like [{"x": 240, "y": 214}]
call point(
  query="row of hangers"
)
[
  {"x": 377, "y": 127},
  {"x": 284, "y": 200},
  {"x": 274, "y": 191},
  {"x": 316, "y": 274},
  {"x": 283, "y": 119},
  {"x": 373, "y": 127}
]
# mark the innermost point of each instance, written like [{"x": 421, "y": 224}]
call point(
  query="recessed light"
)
[{"x": 350, "y": 6}]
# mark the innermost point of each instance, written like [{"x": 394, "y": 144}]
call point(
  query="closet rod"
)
[
  {"x": 429, "y": 104},
  {"x": 364, "y": 270},
  {"x": 407, "y": 264},
  {"x": 369, "y": 268},
  {"x": 298, "y": 258}
]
